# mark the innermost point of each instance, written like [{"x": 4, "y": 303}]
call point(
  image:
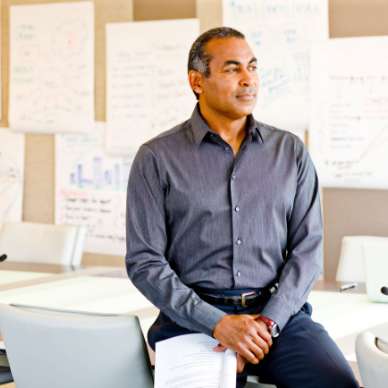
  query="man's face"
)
[{"x": 232, "y": 86}]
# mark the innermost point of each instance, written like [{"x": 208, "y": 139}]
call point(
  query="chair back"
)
[
  {"x": 353, "y": 257},
  {"x": 372, "y": 360},
  {"x": 49, "y": 349},
  {"x": 42, "y": 243}
]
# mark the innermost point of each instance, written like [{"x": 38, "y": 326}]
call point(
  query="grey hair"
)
[{"x": 199, "y": 59}]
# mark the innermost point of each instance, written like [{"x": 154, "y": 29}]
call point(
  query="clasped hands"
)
[{"x": 248, "y": 336}]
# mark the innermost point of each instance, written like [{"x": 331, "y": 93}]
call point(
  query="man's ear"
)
[{"x": 195, "y": 79}]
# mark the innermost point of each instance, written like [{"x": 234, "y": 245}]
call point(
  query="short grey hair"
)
[{"x": 199, "y": 59}]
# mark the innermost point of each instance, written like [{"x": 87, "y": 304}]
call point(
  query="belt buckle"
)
[{"x": 244, "y": 295}]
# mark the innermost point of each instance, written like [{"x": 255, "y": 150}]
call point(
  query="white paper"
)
[
  {"x": 349, "y": 119},
  {"x": 189, "y": 361},
  {"x": 147, "y": 87},
  {"x": 281, "y": 33},
  {"x": 52, "y": 67},
  {"x": 11, "y": 176},
  {"x": 90, "y": 189}
]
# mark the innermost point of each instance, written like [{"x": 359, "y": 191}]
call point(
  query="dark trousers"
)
[{"x": 303, "y": 356}]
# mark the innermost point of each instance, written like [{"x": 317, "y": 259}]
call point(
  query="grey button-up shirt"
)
[{"x": 199, "y": 216}]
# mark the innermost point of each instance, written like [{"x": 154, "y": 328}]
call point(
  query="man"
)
[{"x": 224, "y": 228}]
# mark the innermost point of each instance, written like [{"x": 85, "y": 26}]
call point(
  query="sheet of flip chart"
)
[
  {"x": 281, "y": 34},
  {"x": 147, "y": 87},
  {"x": 90, "y": 189},
  {"x": 52, "y": 67},
  {"x": 349, "y": 120},
  {"x": 11, "y": 175}
]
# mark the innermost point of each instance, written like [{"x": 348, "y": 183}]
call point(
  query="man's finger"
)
[
  {"x": 263, "y": 331},
  {"x": 240, "y": 363},
  {"x": 245, "y": 352},
  {"x": 220, "y": 348},
  {"x": 261, "y": 343},
  {"x": 255, "y": 349}
]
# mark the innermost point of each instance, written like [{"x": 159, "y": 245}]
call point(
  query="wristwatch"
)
[{"x": 272, "y": 326}]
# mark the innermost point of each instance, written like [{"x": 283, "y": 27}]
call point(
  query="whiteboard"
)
[
  {"x": 11, "y": 175},
  {"x": 281, "y": 33},
  {"x": 90, "y": 189},
  {"x": 52, "y": 67},
  {"x": 349, "y": 115},
  {"x": 147, "y": 87}
]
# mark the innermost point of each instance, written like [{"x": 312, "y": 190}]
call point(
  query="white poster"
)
[
  {"x": 147, "y": 87},
  {"x": 11, "y": 176},
  {"x": 281, "y": 34},
  {"x": 349, "y": 121},
  {"x": 91, "y": 190},
  {"x": 52, "y": 67}
]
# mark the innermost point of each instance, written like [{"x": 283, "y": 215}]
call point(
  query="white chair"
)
[
  {"x": 48, "y": 349},
  {"x": 354, "y": 253},
  {"x": 372, "y": 359},
  {"x": 42, "y": 243}
]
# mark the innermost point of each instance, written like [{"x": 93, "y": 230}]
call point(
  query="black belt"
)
[{"x": 245, "y": 299}]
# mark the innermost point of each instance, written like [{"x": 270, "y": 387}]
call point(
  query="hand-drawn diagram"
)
[
  {"x": 148, "y": 91},
  {"x": 52, "y": 67},
  {"x": 349, "y": 123},
  {"x": 281, "y": 33},
  {"x": 91, "y": 190}
]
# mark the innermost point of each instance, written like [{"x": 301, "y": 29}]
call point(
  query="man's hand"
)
[{"x": 249, "y": 337}]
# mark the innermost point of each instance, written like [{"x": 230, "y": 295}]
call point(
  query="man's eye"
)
[
  {"x": 231, "y": 69},
  {"x": 253, "y": 68}
]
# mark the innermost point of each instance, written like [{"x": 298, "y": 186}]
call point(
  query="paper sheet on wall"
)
[
  {"x": 11, "y": 175},
  {"x": 349, "y": 122},
  {"x": 281, "y": 33},
  {"x": 91, "y": 190},
  {"x": 52, "y": 67},
  {"x": 147, "y": 87}
]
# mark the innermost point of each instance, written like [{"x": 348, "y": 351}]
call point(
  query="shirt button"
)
[
  {"x": 239, "y": 241},
  {"x": 233, "y": 176},
  {"x": 237, "y": 209},
  {"x": 195, "y": 302},
  {"x": 238, "y": 273}
]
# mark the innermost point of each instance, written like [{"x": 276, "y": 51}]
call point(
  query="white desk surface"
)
[{"x": 9, "y": 277}]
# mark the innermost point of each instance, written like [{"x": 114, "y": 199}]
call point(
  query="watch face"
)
[{"x": 275, "y": 331}]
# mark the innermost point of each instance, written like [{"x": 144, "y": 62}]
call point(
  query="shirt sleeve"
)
[
  {"x": 304, "y": 261},
  {"x": 147, "y": 241}
]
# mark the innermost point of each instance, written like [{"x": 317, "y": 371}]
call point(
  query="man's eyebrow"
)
[{"x": 234, "y": 62}]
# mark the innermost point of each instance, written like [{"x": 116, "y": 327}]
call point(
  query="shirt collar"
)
[{"x": 200, "y": 128}]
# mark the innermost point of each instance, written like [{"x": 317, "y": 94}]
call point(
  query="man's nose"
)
[{"x": 248, "y": 78}]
